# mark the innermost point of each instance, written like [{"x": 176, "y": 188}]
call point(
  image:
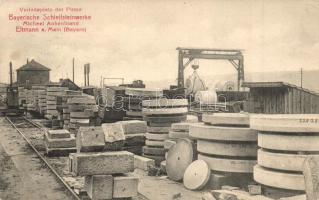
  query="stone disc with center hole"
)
[
  {"x": 178, "y": 158},
  {"x": 196, "y": 175}
]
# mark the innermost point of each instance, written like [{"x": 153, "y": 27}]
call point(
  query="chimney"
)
[
  {"x": 27, "y": 60},
  {"x": 10, "y": 73}
]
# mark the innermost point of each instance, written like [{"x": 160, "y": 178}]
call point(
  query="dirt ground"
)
[{"x": 22, "y": 175}]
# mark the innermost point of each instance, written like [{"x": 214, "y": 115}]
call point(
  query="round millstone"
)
[
  {"x": 154, "y": 151},
  {"x": 165, "y": 119},
  {"x": 183, "y": 126},
  {"x": 226, "y": 119},
  {"x": 154, "y": 129},
  {"x": 162, "y": 102},
  {"x": 286, "y": 142},
  {"x": 154, "y": 143},
  {"x": 154, "y": 136},
  {"x": 228, "y": 164},
  {"x": 202, "y": 131},
  {"x": 179, "y": 157},
  {"x": 196, "y": 175},
  {"x": 178, "y": 134},
  {"x": 227, "y": 149},
  {"x": 304, "y": 123},
  {"x": 164, "y": 111},
  {"x": 279, "y": 179},
  {"x": 281, "y": 161}
]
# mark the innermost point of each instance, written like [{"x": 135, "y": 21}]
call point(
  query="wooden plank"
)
[{"x": 102, "y": 163}]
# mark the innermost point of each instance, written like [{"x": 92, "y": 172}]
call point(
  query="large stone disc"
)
[
  {"x": 287, "y": 142},
  {"x": 281, "y": 161},
  {"x": 202, "y": 131},
  {"x": 285, "y": 123},
  {"x": 227, "y": 149},
  {"x": 228, "y": 164},
  {"x": 164, "y": 103},
  {"x": 196, "y": 175},
  {"x": 155, "y": 136},
  {"x": 178, "y": 158},
  {"x": 164, "y": 111},
  {"x": 226, "y": 119},
  {"x": 279, "y": 179}
]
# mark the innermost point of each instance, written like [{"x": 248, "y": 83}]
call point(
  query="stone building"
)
[{"x": 33, "y": 73}]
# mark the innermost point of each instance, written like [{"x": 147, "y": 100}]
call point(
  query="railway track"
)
[{"x": 32, "y": 133}]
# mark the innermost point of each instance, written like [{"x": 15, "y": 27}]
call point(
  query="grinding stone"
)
[
  {"x": 226, "y": 118},
  {"x": 196, "y": 175},
  {"x": 178, "y": 158}
]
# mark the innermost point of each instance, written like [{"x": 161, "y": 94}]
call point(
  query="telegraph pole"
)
[{"x": 73, "y": 70}]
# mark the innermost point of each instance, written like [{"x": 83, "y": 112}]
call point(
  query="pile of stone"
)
[
  {"x": 133, "y": 101},
  {"x": 29, "y": 100},
  {"x": 229, "y": 147},
  {"x": 160, "y": 114},
  {"x": 21, "y": 96},
  {"x": 42, "y": 102},
  {"x": 107, "y": 174},
  {"x": 81, "y": 109},
  {"x": 64, "y": 111},
  {"x": 51, "y": 101},
  {"x": 285, "y": 142},
  {"x": 134, "y": 131},
  {"x": 36, "y": 90},
  {"x": 59, "y": 142}
]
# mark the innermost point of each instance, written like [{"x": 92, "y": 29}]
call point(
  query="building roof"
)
[
  {"x": 33, "y": 66},
  {"x": 275, "y": 85}
]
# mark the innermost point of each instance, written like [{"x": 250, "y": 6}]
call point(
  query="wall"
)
[
  {"x": 34, "y": 77},
  {"x": 281, "y": 100}
]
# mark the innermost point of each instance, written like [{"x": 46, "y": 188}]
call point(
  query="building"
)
[
  {"x": 280, "y": 98},
  {"x": 33, "y": 73}
]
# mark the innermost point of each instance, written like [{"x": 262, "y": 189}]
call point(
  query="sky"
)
[{"x": 137, "y": 39}]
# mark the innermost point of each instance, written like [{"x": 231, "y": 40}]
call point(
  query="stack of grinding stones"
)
[
  {"x": 160, "y": 114},
  {"x": 65, "y": 106},
  {"x": 80, "y": 111},
  {"x": 133, "y": 101},
  {"x": 284, "y": 141},
  {"x": 42, "y": 102},
  {"x": 59, "y": 142},
  {"x": 21, "y": 96},
  {"x": 227, "y": 144},
  {"x": 52, "y": 93}
]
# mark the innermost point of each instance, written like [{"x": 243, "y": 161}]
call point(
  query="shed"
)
[
  {"x": 280, "y": 98},
  {"x": 33, "y": 73}
]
